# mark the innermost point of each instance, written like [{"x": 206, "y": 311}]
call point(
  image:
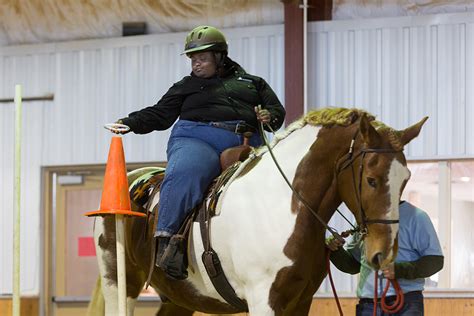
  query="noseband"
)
[{"x": 349, "y": 161}]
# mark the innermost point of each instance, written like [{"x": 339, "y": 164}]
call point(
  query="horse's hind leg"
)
[{"x": 104, "y": 235}]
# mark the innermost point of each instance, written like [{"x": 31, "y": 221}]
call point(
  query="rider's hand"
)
[
  {"x": 120, "y": 131},
  {"x": 263, "y": 115},
  {"x": 333, "y": 243},
  {"x": 389, "y": 271}
]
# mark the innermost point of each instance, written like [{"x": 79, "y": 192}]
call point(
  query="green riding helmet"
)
[{"x": 205, "y": 38}]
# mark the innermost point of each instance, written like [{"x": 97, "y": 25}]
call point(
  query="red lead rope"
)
[
  {"x": 328, "y": 267},
  {"x": 389, "y": 309},
  {"x": 399, "y": 301}
]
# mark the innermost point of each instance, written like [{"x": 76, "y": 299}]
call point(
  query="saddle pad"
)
[{"x": 144, "y": 183}]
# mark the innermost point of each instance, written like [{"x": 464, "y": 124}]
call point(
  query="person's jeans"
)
[
  {"x": 413, "y": 306},
  {"x": 193, "y": 152}
]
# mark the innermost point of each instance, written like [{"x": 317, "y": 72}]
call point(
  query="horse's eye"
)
[{"x": 371, "y": 182}]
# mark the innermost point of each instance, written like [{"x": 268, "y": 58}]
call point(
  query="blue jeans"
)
[
  {"x": 193, "y": 152},
  {"x": 413, "y": 306}
]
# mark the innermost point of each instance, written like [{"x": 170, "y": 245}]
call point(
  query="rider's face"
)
[{"x": 203, "y": 64}]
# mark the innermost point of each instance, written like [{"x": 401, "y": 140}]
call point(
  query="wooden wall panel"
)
[{"x": 28, "y": 306}]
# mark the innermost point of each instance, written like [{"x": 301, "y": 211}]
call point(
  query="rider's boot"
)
[
  {"x": 161, "y": 245},
  {"x": 171, "y": 257}
]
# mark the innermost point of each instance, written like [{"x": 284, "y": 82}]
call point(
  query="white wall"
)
[
  {"x": 401, "y": 69},
  {"x": 94, "y": 82}
]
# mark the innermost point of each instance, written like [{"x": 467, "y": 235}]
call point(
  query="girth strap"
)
[{"x": 213, "y": 265}]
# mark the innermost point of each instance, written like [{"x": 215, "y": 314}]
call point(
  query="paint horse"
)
[{"x": 270, "y": 243}]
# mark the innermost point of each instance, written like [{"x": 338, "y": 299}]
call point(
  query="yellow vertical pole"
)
[{"x": 17, "y": 186}]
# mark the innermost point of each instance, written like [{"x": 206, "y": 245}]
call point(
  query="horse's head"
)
[{"x": 371, "y": 180}]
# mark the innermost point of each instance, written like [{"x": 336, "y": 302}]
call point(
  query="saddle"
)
[
  {"x": 237, "y": 153},
  {"x": 142, "y": 192}
]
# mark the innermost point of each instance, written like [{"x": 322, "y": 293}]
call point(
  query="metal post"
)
[
  {"x": 17, "y": 186},
  {"x": 305, "y": 56}
]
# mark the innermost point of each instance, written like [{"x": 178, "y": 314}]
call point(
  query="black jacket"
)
[{"x": 231, "y": 96}]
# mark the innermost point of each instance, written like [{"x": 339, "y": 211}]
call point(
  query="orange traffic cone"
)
[{"x": 115, "y": 196}]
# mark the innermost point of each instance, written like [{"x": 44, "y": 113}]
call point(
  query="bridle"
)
[
  {"x": 348, "y": 162},
  {"x": 365, "y": 221}
]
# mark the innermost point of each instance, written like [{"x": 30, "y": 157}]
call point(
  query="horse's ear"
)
[
  {"x": 369, "y": 134},
  {"x": 411, "y": 132}
]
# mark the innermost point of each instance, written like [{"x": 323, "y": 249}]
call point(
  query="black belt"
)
[
  {"x": 237, "y": 128},
  {"x": 409, "y": 296}
]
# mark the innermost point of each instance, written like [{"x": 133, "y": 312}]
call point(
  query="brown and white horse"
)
[{"x": 270, "y": 244}]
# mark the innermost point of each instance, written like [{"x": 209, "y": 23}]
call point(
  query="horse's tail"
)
[{"x": 97, "y": 304}]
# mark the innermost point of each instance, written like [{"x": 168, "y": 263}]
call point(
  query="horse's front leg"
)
[{"x": 104, "y": 236}]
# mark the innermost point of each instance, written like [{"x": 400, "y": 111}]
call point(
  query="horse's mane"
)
[
  {"x": 331, "y": 116},
  {"x": 328, "y": 117}
]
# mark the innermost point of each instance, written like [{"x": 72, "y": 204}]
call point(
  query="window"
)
[
  {"x": 462, "y": 221},
  {"x": 445, "y": 190}
]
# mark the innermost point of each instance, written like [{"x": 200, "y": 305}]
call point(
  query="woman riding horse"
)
[{"x": 216, "y": 105}]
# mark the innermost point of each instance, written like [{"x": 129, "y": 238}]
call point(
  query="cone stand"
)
[{"x": 116, "y": 201}]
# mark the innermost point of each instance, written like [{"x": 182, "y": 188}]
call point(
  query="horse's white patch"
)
[
  {"x": 397, "y": 174},
  {"x": 256, "y": 220}
]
